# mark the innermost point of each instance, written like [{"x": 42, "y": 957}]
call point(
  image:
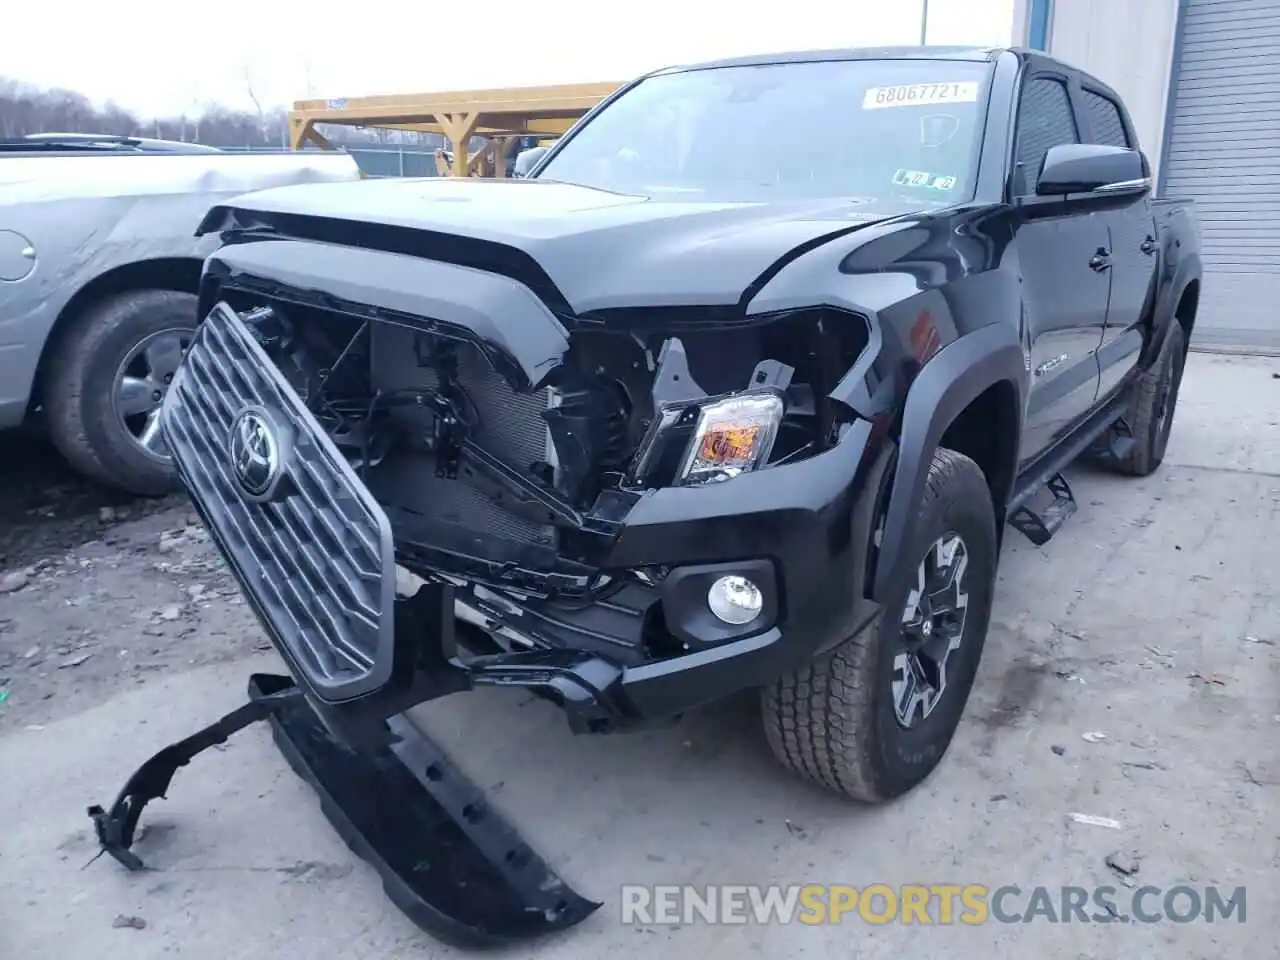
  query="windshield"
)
[{"x": 872, "y": 129}]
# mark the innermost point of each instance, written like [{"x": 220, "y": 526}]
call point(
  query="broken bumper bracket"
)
[
  {"x": 446, "y": 858},
  {"x": 116, "y": 828}
]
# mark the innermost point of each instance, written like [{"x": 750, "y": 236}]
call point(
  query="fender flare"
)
[
  {"x": 955, "y": 377},
  {"x": 1188, "y": 271}
]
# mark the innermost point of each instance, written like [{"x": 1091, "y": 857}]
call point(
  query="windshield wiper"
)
[{"x": 60, "y": 143}]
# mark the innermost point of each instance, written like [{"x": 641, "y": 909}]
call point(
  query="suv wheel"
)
[
  {"x": 107, "y": 377},
  {"x": 874, "y": 716},
  {"x": 1155, "y": 399}
]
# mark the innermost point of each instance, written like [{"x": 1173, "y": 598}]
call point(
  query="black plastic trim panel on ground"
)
[{"x": 445, "y": 857}]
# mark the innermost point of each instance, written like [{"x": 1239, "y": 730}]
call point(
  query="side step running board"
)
[
  {"x": 1115, "y": 444},
  {"x": 1040, "y": 526},
  {"x": 1104, "y": 430},
  {"x": 446, "y": 858}
]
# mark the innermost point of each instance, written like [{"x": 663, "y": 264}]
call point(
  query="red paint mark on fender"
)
[{"x": 924, "y": 337}]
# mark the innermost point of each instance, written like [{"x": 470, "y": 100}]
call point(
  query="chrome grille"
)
[{"x": 317, "y": 559}]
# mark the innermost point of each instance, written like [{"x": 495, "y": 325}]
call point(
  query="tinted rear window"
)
[{"x": 1104, "y": 117}]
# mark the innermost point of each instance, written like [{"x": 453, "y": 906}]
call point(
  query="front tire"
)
[
  {"x": 873, "y": 717},
  {"x": 107, "y": 376}
]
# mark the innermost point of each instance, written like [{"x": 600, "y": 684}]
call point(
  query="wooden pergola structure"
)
[{"x": 498, "y": 115}]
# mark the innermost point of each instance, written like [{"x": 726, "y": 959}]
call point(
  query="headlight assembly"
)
[
  {"x": 732, "y": 437},
  {"x": 709, "y": 441}
]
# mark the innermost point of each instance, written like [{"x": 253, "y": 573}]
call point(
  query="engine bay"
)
[{"x": 481, "y": 478}]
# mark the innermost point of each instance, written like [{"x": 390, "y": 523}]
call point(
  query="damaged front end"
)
[
  {"x": 482, "y": 443},
  {"x": 423, "y": 492}
]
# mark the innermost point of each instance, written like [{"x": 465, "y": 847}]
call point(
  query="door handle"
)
[
  {"x": 1148, "y": 246},
  {"x": 1099, "y": 262}
]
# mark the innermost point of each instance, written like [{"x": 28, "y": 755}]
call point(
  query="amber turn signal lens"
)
[
  {"x": 733, "y": 436},
  {"x": 728, "y": 444}
]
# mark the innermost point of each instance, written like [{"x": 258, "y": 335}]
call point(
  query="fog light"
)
[{"x": 735, "y": 600}]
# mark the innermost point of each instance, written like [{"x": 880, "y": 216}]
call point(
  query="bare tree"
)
[
  {"x": 250, "y": 88},
  {"x": 196, "y": 108},
  {"x": 28, "y": 109},
  {"x": 308, "y": 77}
]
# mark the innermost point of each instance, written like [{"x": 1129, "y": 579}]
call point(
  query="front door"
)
[{"x": 1065, "y": 302}]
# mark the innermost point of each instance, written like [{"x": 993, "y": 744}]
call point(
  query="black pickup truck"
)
[{"x": 692, "y": 410}]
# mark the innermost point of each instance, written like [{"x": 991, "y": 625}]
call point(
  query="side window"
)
[
  {"x": 1044, "y": 120},
  {"x": 1105, "y": 124}
]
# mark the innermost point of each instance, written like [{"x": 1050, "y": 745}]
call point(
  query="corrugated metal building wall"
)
[{"x": 1224, "y": 150}]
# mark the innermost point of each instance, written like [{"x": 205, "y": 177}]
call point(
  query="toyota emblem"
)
[{"x": 256, "y": 455}]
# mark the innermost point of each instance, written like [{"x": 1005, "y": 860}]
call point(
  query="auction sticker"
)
[
  {"x": 922, "y": 178},
  {"x": 919, "y": 95}
]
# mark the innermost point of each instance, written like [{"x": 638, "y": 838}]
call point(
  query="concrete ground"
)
[{"x": 1151, "y": 619}]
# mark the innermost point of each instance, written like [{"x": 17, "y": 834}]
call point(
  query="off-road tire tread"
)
[
  {"x": 69, "y": 422},
  {"x": 1141, "y": 460},
  {"x": 819, "y": 720}
]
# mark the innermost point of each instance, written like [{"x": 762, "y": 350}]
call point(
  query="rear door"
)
[
  {"x": 1133, "y": 247},
  {"x": 1064, "y": 294}
]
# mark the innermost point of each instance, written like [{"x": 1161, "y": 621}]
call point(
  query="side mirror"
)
[
  {"x": 526, "y": 160},
  {"x": 1092, "y": 168}
]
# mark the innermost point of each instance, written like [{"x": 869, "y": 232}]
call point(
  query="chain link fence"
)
[
  {"x": 392, "y": 160},
  {"x": 376, "y": 161},
  {"x": 395, "y": 163}
]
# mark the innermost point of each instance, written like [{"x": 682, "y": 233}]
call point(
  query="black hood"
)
[{"x": 601, "y": 250}]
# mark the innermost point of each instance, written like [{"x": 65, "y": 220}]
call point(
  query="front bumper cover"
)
[
  {"x": 804, "y": 513},
  {"x": 445, "y": 856}
]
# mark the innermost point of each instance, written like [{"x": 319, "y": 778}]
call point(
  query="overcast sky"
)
[{"x": 164, "y": 58}]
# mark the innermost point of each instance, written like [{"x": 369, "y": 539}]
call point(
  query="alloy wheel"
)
[
  {"x": 932, "y": 629},
  {"x": 141, "y": 383}
]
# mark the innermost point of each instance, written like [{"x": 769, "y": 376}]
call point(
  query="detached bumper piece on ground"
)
[{"x": 447, "y": 859}]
